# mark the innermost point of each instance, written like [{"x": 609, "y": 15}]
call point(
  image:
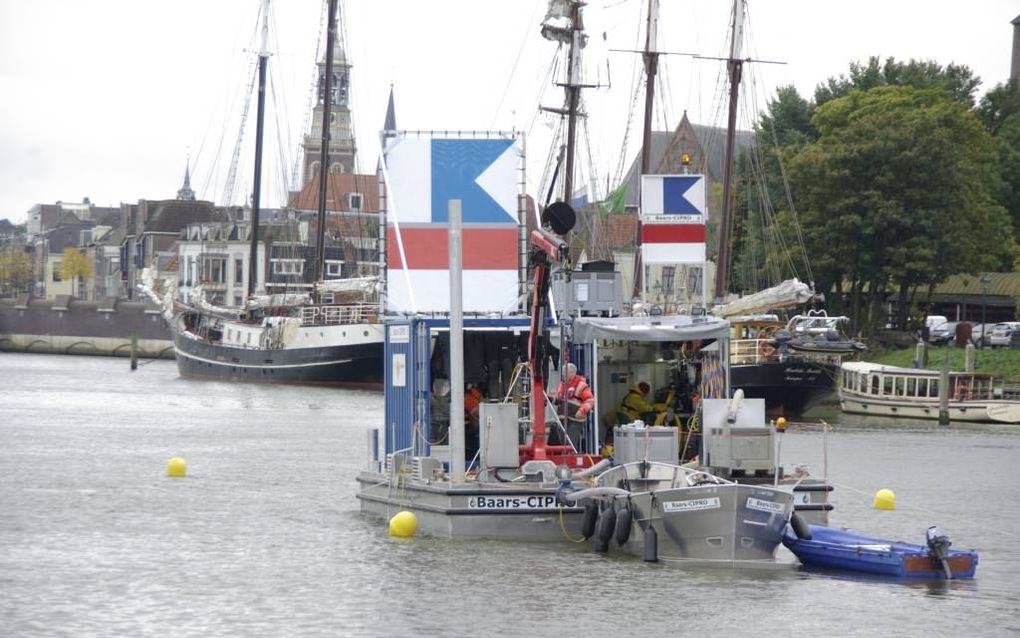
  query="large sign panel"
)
[
  {"x": 422, "y": 175},
  {"x": 673, "y": 211}
]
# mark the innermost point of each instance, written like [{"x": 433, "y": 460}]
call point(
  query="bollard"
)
[{"x": 134, "y": 352}]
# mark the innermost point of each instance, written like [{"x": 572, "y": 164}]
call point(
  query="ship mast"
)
[
  {"x": 320, "y": 246},
  {"x": 259, "y": 125},
  {"x": 651, "y": 60},
  {"x": 735, "y": 67}
]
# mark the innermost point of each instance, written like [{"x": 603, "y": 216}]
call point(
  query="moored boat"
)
[
  {"x": 870, "y": 388},
  {"x": 330, "y": 334},
  {"x": 683, "y": 514},
  {"x": 840, "y": 549}
]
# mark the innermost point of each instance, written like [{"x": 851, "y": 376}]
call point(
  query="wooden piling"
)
[{"x": 134, "y": 351}]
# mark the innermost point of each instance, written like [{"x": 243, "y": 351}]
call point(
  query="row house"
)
[
  {"x": 151, "y": 232},
  {"x": 213, "y": 258},
  {"x": 352, "y": 220}
]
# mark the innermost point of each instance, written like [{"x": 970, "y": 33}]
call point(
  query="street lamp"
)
[{"x": 985, "y": 280}]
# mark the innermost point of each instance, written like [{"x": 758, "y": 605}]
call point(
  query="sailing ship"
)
[
  {"x": 787, "y": 361},
  {"x": 330, "y": 335}
]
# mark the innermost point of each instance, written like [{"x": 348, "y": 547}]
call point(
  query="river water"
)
[{"x": 264, "y": 536}]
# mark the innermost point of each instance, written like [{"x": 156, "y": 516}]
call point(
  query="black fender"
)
[
  {"x": 591, "y": 512},
  {"x": 800, "y": 527},
  {"x": 623, "y": 521},
  {"x": 606, "y": 524}
]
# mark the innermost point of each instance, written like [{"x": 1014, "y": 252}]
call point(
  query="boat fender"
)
[
  {"x": 606, "y": 525},
  {"x": 623, "y": 521},
  {"x": 800, "y": 527},
  {"x": 651, "y": 549},
  {"x": 591, "y": 510}
]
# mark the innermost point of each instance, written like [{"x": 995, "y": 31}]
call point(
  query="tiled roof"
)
[
  {"x": 170, "y": 216},
  {"x": 338, "y": 186}
]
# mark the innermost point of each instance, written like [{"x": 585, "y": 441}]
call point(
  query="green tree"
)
[
  {"x": 15, "y": 271},
  {"x": 897, "y": 194},
  {"x": 765, "y": 236},
  {"x": 75, "y": 267},
  {"x": 957, "y": 80},
  {"x": 998, "y": 105}
]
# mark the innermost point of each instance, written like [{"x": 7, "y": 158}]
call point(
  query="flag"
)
[{"x": 616, "y": 203}]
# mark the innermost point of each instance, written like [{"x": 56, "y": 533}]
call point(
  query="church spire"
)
[
  {"x": 185, "y": 191},
  {"x": 342, "y": 148}
]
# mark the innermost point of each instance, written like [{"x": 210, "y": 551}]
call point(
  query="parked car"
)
[
  {"x": 981, "y": 333},
  {"x": 1001, "y": 334},
  {"x": 941, "y": 334}
]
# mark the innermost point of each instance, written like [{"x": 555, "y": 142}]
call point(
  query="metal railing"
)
[{"x": 339, "y": 315}]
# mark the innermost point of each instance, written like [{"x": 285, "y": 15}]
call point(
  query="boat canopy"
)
[{"x": 661, "y": 328}]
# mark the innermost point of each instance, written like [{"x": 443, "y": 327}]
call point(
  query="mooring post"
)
[
  {"x": 134, "y": 352},
  {"x": 944, "y": 392}
]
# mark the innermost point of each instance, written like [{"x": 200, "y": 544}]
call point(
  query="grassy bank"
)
[{"x": 1004, "y": 362}]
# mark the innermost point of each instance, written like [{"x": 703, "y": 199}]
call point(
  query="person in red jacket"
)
[
  {"x": 574, "y": 394},
  {"x": 574, "y": 390}
]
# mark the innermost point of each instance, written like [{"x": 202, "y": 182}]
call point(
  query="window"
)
[
  {"x": 288, "y": 266},
  {"x": 238, "y": 271},
  {"x": 334, "y": 268},
  {"x": 238, "y": 299},
  {"x": 668, "y": 276},
  {"x": 354, "y": 201},
  {"x": 56, "y": 270},
  {"x": 214, "y": 270}
]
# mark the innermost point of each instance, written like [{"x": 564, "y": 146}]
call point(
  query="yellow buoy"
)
[
  {"x": 781, "y": 424},
  {"x": 403, "y": 524},
  {"x": 885, "y": 500},
  {"x": 176, "y": 467}
]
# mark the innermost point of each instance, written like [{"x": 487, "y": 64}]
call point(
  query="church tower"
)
[{"x": 341, "y": 132}]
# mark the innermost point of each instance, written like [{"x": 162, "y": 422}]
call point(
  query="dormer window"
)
[{"x": 355, "y": 201}]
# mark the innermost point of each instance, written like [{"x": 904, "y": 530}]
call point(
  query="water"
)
[{"x": 264, "y": 536}]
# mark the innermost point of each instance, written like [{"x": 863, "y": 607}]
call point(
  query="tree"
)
[
  {"x": 765, "y": 238},
  {"x": 956, "y": 80},
  {"x": 896, "y": 194},
  {"x": 998, "y": 105},
  {"x": 75, "y": 266},
  {"x": 15, "y": 271}
]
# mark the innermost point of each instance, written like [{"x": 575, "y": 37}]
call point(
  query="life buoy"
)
[{"x": 765, "y": 349}]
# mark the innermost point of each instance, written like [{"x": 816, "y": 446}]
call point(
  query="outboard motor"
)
[{"x": 938, "y": 548}]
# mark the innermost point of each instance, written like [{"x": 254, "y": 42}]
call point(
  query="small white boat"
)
[{"x": 870, "y": 388}]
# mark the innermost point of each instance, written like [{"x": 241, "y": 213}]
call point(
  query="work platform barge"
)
[{"x": 515, "y": 483}]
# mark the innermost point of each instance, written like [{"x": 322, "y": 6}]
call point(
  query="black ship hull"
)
[
  {"x": 357, "y": 365},
  {"x": 789, "y": 388}
]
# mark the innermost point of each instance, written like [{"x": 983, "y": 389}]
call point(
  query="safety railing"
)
[{"x": 339, "y": 315}]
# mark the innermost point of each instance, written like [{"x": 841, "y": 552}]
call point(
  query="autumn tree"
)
[
  {"x": 15, "y": 271},
  {"x": 75, "y": 267}
]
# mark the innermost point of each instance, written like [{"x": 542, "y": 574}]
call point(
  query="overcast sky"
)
[{"x": 108, "y": 99}]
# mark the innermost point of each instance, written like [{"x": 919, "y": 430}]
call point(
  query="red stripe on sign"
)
[
  {"x": 429, "y": 248},
  {"x": 672, "y": 233}
]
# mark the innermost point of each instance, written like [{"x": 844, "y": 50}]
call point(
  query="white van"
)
[{"x": 934, "y": 320}]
